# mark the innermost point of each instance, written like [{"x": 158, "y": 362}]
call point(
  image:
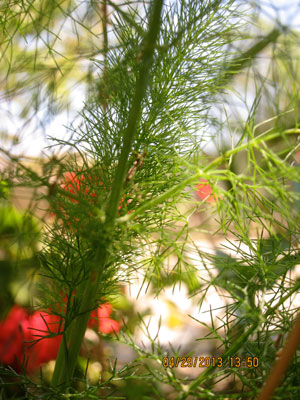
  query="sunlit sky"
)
[{"x": 34, "y": 138}]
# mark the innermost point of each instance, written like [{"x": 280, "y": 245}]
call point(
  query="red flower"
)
[
  {"x": 101, "y": 317},
  {"x": 108, "y": 325},
  {"x": 39, "y": 325},
  {"x": 204, "y": 191},
  {"x": 23, "y": 336},
  {"x": 12, "y": 336},
  {"x": 19, "y": 329},
  {"x": 75, "y": 183}
]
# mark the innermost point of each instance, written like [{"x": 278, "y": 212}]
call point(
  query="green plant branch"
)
[
  {"x": 239, "y": 343},
  {"x": 127, "y": 18},
  {"x": 72, "y": 340},
  {"x": 230, "y": 352},
  {"x": 272, "y": 310},
  {"x": 203, "y": 173},
  {"x": 239, "y": 63}
]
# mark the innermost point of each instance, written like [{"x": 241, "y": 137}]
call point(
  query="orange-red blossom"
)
[{"x": 204, "y": 191}]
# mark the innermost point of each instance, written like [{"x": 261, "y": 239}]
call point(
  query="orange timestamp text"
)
[{"x": 206, "y": 362}]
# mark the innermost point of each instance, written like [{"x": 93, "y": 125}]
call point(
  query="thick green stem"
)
[
  {"x": 74, "y": 334},
  {"x": 135, "y": 112}
]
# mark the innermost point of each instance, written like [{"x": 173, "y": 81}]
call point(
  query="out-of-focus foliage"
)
[
  {"x": 45, "y": 51},
  {"x": 19, "y": 237}
]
